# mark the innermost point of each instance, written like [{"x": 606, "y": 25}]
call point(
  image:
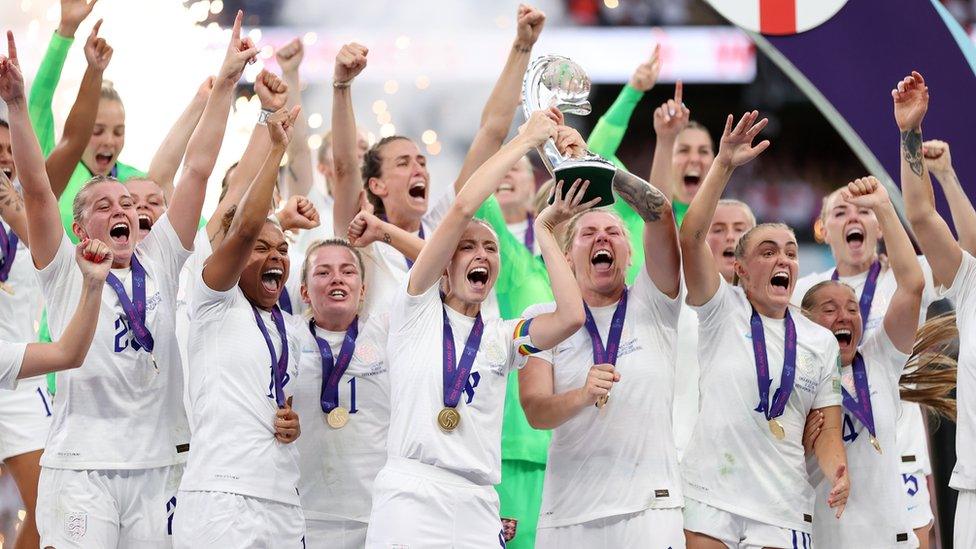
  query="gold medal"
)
[
  {"x": 874, "y": 442},
  {"x": 337, "y": 418},
  {"x": 448, "y": 419},
  {"x": 7, "y": 288},
  {"x": 602, "y": 401},
  {"x": 776, "y": 428}
]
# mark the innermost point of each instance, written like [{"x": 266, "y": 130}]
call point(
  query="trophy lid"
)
[{"x": 556, "y": 81}]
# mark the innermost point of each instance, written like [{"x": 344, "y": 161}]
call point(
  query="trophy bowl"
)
[{"x": 557, "y": 81}]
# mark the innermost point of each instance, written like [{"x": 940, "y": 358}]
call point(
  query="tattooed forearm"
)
[
  {"x": 911, "y": 149},
  {"x": 10, "y": 199},
  {"x": 646, "y": 200}
]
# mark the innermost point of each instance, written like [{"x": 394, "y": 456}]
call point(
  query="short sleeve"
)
[
  {"x": 828, "y": 391},
  {"x": 163, "y": 245},
  {"x": 879, "y": 347},
  {"x": 11, "y": 360},
  {"x": 60, "y": 282},
  {"x": 714, "y": 311},
  {"x": 205, "y": 303},
  {"x": 524, "y": 347},
  {"x": 963, "y": 285},
  {"x": 664, "y": 308},
  {"x": 409, "y": 311},
  {"x": 439, "y": 208}
]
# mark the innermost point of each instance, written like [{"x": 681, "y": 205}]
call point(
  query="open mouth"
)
[
  {"x": 104, "y": 158},
  {"x": 271, "y": 279},
  {"x": 145, "y": 222},
  {"x": 338, "y": 294},
  {"x": 9, "y": 172},
  {"x": 780, "y": 279},
  {"x": 506, "y": 188},
  {"x": 728, "y": 253},
  {"x": 418, "y": 190},
  {"x": 602, "y": 260},
  {"x": 478, "y": 277},
  {"x": 844, "y": 337},
  {"x": 854, "y": 237},
  {"x": 120, "y": 233},
  {"x": 692, "y": 180}
]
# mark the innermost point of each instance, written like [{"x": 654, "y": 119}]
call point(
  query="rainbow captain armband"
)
[{"x": 522, "y": 340}]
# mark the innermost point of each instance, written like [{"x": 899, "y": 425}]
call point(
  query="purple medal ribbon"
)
[
  {"x": 279, "y": 365},
  {"x": 284, "y": 301},
  {"x": 333, "y": 368},
  {"x": 420, "y": 234},
  {"x": 456, "y": 373},
  {"x": 607, "y": 355},
  {"x": 782, "y": 394},
  {"x": 867, "y": 294},
  {"x": 135, "y": 309},
  {"x": 8, "y": 244},
  {"x": 530, "y": 234},
  {"x": 861, "y": 408}
]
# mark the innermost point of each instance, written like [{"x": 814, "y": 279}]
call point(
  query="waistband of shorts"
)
[{"x": 414, "y": 467}]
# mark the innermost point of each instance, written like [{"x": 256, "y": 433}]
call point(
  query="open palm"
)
[
  {"x": 736, "y": 147},
  {"x": 911, "y": 97}
]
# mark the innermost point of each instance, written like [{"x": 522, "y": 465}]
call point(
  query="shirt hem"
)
[
  {"x": 109, "y": 465},
  {"x": 219, "y": 487},
  {"x": 669, "y": 503},
  {"x": 805, "y": 527}
]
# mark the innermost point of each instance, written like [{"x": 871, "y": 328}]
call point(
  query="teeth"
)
[
  {"x": 603, "y": 253},
  {"x": 479, "y": 270},
  {"x": 275, "y": 271},
  {"x": 143, "y": 216},
  {"x": 337, "y": 293},
  {"x": 844, "y": 332},
  {"x": 854, "y": 230},
  {"x": 120, "y": 225}
]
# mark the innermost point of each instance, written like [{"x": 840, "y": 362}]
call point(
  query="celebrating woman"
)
[
  {"x": 446, "y": 407},
  {"x": 744, "y": 473}
]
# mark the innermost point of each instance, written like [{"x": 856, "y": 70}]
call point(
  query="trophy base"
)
[{"x": 598, "y": 172}]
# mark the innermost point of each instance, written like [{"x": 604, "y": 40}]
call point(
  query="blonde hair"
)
[
  {"x": 541, "y": 199},
  {"x": 108, "y": 92},
  {"x": 569, "y": 234},
  {"x": 738, "y": 203},
  {"x": 331, "y": 242},
  {"x": 742, "y": 245},
  {"x": 929, "y": 376},
  {"x": 80, "y": 202}
]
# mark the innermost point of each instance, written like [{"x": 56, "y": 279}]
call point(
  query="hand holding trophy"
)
[{"x": 556, "y": 81}]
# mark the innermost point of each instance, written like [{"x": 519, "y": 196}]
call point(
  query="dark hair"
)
[
  {"x": 373, "y": 167},
  {"x": 4, "y": 123},
  {"x": 695, "y": 125}
]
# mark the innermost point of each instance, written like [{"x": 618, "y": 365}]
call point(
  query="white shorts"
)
[
  {"x": 25, "y": 417},
  {"x": 221, "y": 520},
  {"x": 334, "y": 534},
  {"x": 915, "y": 487},
  {"x": 964, "y": 527},
  {"x": 421, "y": 506},
  {"x": 107, "y": 508},
  {"x": 738, "y": 532},
  {"x": 652, "y": 528}
]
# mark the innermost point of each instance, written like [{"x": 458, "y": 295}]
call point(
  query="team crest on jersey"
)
[
  {"x": 366, "y": 353},
  {"x": 153, "y": 301},
  {"x": 495, "y": 357},
  {"x": 76, "y": 525},
  {"x": 806, "y": 372}
]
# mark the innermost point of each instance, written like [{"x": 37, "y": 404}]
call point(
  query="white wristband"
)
[{"x": 263, "y": 117}]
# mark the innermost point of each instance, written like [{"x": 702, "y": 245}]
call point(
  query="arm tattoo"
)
[
  {"x": 911, "y": 149},
  {"x": 646, "y": 200},
  {"x": 9, "y": 197}
]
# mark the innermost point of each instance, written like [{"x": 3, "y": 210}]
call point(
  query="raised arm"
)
[
  {"x": 609, "y": 131},
  {"x": 12, "y": 208},
  {"x": 223, "y": 268},
  {"x": 298, "y": 172},
  {"x": 95, "y": 261},
  {"x": 73, "y": 13},
  {"x": 939, "y": 163},
  {"x": 271, "y": 91},
  {"x": 166, "y": 161},
  {"x": 662, "y": 257},
  {"x": 441, "y": 245},
  {"x": 669, "y": 119},
  {"x": 63, "y": 160},
  {"x": 911, "y": 100},
  {"x": 44, "y": 227},
  {"x": 735, "y": 149},
  {"x": 350, "y": 61},
  {"x": 201, "y": 152},
  {"x": 901, "y": 319},
  {"x": 496, "y": 118},
  {"x": 366, "y": 228}
]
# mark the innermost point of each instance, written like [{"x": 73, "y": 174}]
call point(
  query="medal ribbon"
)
[
  {"x": 867, "y": 294},
  {"x": 607, "y": 355},
  {"x": 861, "y": 408},
  {"x": 333, "y": 368},
  {"x": 8, "y": 245},
  {"x": 420, "y": 234},
  {"x": 279, "y": 365},
  {"x": 782, "y": 394},
  {"x": 530, "y": 234},
  {"x": 284, "y": 301},
  {"x": 135, "y": 309},
  {"x": 456, "y": 373}
]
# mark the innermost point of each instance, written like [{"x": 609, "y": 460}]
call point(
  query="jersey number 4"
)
[{"x": 850, "y": 434}]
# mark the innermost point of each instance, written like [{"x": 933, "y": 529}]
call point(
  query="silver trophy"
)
[{"x": 557, "y": 81}]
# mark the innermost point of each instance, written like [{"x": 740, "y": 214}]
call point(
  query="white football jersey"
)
[
  {"x": 620, "y": 459},
  {"x": 117, "y": 411},
  {"x": 733, "y": 462}
]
